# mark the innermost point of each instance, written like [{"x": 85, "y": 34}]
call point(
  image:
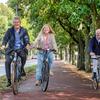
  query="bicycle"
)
[
  {"x": 16, "y": 71},
  {"x": 96, "y": 75},
  {"x": 45, "y": 70}
]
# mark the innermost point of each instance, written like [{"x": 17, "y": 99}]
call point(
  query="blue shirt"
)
[{"x": 18, "y": 44}]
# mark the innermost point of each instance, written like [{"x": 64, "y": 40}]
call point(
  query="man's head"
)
[
  {"x": 16, "y": 22},
  {"x": 98, "y": 34}
]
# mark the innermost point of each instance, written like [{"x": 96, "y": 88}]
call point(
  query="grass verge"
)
[{"x": 29, "y": 70}]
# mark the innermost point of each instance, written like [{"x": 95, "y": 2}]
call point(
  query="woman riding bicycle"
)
[{"x": 45, "y": 41}]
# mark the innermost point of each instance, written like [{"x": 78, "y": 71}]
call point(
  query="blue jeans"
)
[{"x": 40, "y": 58}]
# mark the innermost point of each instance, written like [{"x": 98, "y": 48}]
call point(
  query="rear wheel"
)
[
  {"x": 14, "y": 79},
  {"x": 45, "y": 77}
]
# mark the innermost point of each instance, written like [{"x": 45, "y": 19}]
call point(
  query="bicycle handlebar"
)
[
  {"x": 44, "y": 49},
  {"x": 95, "y": 57},
  {"x": 11, "y": 51}
]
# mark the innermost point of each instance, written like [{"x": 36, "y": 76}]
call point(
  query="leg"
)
[
  {"x": 50, "y": 59},
  {"x": 95, "y": 64},
  {"x": 8, "y": 68},
  {"x": 39, "y": 66},
  {"x": 23, "y": 56}
]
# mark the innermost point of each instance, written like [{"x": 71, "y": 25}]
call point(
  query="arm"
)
[
  {"x": 54, "y": 43},
  {"x": 27, "y": 40},
  {"x": 26, "y": 37},
  {"x": 91, "y": 46},
  {"x": 6, "y": 38}
]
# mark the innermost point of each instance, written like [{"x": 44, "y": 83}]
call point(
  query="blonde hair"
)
[{"x": 46, "y": 25}]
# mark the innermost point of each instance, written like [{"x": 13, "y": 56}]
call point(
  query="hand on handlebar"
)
[
  {"x": 92, "y": 54},
  {"x": 3, "y": 47},
  {"x": 28, "y": 47},
  {"x": 53, "y": 50},
  {"x": 32, "y": 46}
]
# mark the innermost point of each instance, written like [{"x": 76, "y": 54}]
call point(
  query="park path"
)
[{"x": 64, "y": 85}]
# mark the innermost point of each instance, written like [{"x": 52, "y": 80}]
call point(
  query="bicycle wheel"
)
[
  {"x": 14, "y": 79},
  {"x": 95, "y": 83},
  {"x": 45, "y": 77}
]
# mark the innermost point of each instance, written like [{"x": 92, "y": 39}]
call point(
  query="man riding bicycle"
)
[
  {"x": 17, "y": 39},
  {"x": 94, "y": 49}
]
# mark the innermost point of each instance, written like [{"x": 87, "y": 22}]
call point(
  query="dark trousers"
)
[{"x": 9, "y": 58}]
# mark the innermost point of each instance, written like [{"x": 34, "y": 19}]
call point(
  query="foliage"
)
[
  {"x": 77, "y": 20},
  {"x": 6, "y": 15}
]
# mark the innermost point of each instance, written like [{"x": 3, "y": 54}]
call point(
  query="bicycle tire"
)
[
  {"x": 14, "y": 79},
  {"x": 95, "y": 84},
  {"x": 45, "y": 77}
]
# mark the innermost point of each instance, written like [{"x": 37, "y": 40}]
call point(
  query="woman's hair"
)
[{"x": 51, "y": 30}]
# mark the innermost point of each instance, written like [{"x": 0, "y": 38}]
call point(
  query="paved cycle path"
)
[{"x": 64, "y": 85}]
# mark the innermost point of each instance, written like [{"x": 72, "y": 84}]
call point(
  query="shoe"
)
[
  {"x": 94, "y": 75},
  {"x": 23, "y": 74},
  {"x": 8, "y": 84},
  {"x": 37, "y": 83},
  {"x": 51, "y": 73},
  {"x": 19, "y": 78}
]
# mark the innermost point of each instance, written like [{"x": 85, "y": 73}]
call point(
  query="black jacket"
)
[
  {"x": 9, "y": 38},
  {"x": 94, "y": 46}
]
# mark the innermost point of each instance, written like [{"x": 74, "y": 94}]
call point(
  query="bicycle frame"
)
[
  {"x": 45, "y": 56},
  {"x": 45, "y": 72},
  {"x": 16, "y": 72},
  {"x": 15, "y": 61}
]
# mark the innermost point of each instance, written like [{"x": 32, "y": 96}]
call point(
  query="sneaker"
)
[
  {"x": 51, "y": 73},
  {"x": 23, "y": 74},
  {"x": 37, "y": 83},
  {"x": 94, "y": 75},
  {"x": 19, "y": 78},
  {"x": 8, "y": 84}
]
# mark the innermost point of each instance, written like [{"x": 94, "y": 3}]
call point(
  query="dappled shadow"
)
[{"x": 64, "y": 85}]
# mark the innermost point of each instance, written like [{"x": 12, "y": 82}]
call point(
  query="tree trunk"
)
[
  {"x": 81, "y": 56},
  {"x": 87, "y": 60},
  {"x": 87, "y": 56},
  {"x": 66, "y": 54},
  {"x": 70, "y": 54},
  {"x": 73, "y": 55},
  {"x": 61, "y": 53}
]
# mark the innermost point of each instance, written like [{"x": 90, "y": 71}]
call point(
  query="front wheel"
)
[
  {"x": 95, "y": 83},
  {"x": 14, "y": 79},
  {"x": 45, "y": 77}
]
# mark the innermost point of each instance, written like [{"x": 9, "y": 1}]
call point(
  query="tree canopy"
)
[
  {"x": 6, "y": 15},
  {"x": 74, "y": 21}
]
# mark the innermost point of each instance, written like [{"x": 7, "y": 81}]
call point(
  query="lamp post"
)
[{"x": 16, "y": 10}]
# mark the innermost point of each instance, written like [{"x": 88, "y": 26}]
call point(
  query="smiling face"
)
[
  {"x": 16, "y": 23},
  {"x": 46, "y": 30},
  {"x": 98, "y": 34}
]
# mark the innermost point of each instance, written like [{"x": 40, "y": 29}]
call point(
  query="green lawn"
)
[{"x": 29, "y": 70}]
